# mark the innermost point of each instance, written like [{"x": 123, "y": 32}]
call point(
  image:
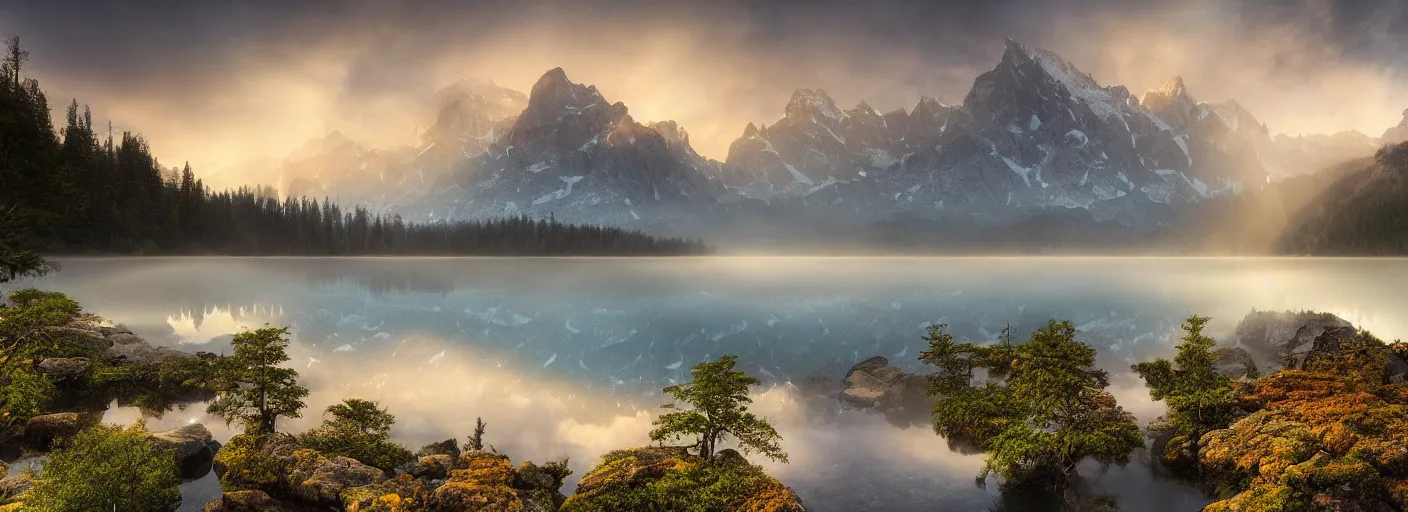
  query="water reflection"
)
[{"x": 565, "y": 357}]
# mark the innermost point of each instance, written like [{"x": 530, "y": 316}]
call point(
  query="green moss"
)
[
  {"x": 252, "y": 462},
  {"x": 668, "y": 479}
]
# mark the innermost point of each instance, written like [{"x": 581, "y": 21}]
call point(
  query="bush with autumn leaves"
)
[{"x": 1329, "y": 435}]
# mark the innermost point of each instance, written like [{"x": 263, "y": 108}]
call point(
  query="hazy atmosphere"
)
[{"x": 233, "y": 87}]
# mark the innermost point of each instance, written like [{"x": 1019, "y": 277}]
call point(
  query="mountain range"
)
[{"x": 1034, "y": 137}]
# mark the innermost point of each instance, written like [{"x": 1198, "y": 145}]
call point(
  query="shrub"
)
[{"x": 106, "y": 467}]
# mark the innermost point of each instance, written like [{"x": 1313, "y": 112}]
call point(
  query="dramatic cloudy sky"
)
[{"x": 232, "y": 86}]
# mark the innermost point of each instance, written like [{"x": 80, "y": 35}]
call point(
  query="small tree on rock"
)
[
  {"x": 476, "y": 440},
  {"x": 262, "y": 390},
  {"x": 1199, "y": 398},
  {"x": 358, "y": 429},
  {"x": 1042, "y": 410},
  {"x": 717, "y": 398}
]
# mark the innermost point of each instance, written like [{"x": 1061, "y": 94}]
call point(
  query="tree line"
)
[{"x": 76, "y": 190}]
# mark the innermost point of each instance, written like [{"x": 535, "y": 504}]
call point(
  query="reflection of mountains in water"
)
[{"x": 644, "y": 341}]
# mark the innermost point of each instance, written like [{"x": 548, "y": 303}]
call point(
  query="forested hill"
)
[
  {"x": 76, "y": 190},
  {"x": 1363, "y": 213}
]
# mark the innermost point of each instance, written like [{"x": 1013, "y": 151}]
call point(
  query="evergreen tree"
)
[
  {"x": 1199, "y": 398},
  {"x": 717, "y": 397},
  {"x": 361, "y": 430},
  {"x": 1042, "y": 410},
  {"x": 262, "y": 389}
]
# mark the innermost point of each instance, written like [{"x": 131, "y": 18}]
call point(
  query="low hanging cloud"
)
[{"x": 233, "y": 88}]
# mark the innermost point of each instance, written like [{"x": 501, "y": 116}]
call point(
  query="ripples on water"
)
[{"x": 566, "y": 357}]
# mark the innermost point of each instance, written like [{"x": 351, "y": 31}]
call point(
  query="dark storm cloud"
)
[{"x": 221, "y": 83}]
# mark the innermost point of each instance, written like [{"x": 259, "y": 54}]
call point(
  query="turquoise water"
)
[{"x": 565, "y": 357}]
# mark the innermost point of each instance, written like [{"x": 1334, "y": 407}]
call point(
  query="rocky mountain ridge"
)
[{"x": 1034, "y": 136}]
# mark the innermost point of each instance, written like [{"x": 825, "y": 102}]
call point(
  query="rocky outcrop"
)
[
  {"x": 315, "y": 479},
  {"x": 193, "y": 446},
  {"x": 625, "y": 477},
  {"x": 1235, "y": 362},
  {"x": 248, "y": 501},
  {"x": 40, "y": 432},
  {"x": 902, "y": 397},
  {"x": 1284, "y": 339},
  {"x": 449, "y": 447},
  {"x": 433, "y": 467}
]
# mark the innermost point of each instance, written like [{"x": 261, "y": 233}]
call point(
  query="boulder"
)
[
  {"x": 64, "y": 368},
  {"x": 14, "y": 486},
  {"x": 623, "y": 476},
  {"x": 1397, "y": 369},
  {"x": 1285, "y": 336},
  {"x": 432, "y": 467},
  {"x": 449, "y": 447},
  {"x": 40, "y": 432},
  {"x": 316, "y": 479},
  {"x": 902, "y": 397},
  {"x": 194, "y": 448},
  {"x": 485, "y": 484},
  {"x": 247, "y": 501}
]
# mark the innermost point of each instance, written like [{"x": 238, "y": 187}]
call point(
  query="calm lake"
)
[{"x": 566, "y": 357}]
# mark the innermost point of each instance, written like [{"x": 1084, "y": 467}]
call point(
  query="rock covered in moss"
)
[
  {"x": 431, "y": 467},
  {"x": 449, "y": 447},
  {"x": 669, "y": 478},
  {"x": 13, "y": 488},
  {"x": 40, "y": 432},
  {"x": 396, "y": 494},
  {"x": 484, "y": 484},
  {"x": 248, "y": 501},
  {"x": 250, "y": 462},
  {"x": 316, "y": 479}
]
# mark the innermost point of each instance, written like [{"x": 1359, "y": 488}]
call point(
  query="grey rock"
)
[
  {"x": 193, "y": 446},
  {"x": 902, "y": 397},
  {"x": 14, "y": 486},
  {"x": 1285, "y": 338},
  {"x": 449, "y": 447},
  {"x": 125, "y": 338},
  {"x": 1234, "y": 362},
  {"x": 64, "y": 368},
  {"x": 322, "y": 480}
]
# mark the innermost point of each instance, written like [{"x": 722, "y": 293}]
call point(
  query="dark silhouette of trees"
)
[{"x": 71, "y": 192}]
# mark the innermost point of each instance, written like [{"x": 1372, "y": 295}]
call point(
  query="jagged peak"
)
[
  {"x": 554, "y": 87},
  {"x": 929, "y": 102},
  {"x": 671, "y": 130},
  {"x": 897, "y": 112},
  {"x": 1174, "y": 87},
  {"x": 750, "y": 130},
  {"x": 807, "y": 102}
]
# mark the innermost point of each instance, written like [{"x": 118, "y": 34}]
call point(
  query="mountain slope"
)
[
  {"x": 1362, "y": 213},
  {"x": 572, "y": 154},
  {"x": 1035, "y": 134}
]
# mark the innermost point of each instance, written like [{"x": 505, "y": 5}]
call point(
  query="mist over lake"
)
[{"x": 566, "y": 357}]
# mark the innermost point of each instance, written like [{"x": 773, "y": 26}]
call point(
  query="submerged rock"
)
[{"x": 193, "y": 446}]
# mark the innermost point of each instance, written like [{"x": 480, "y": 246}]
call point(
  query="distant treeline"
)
[{"x": 77, "y": 191}]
